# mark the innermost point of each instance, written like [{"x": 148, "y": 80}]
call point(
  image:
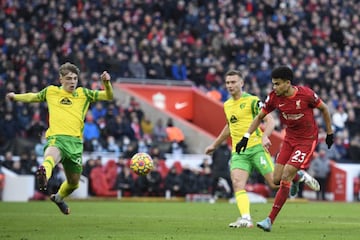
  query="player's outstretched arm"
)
[
  {"x": 225, "y": 133},
  {"x": 23, "y": 97},
  {"x": 106, "y": 94},
  {"x": 327, "y": 119}
]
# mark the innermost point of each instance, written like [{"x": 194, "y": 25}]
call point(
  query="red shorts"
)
[{"x": 298, "y": 155}]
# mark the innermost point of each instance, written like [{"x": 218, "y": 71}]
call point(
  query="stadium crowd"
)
[{"x": 186, "y": 40}]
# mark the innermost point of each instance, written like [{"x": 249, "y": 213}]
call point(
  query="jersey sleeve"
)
[
  {"x": 314, "y": 99},
  {"x": 268, "y": 105},
  {"x": 42, "y": 94},
  {"x": 91, "y": 95},
  {"x": 256, "y": 106},
  {"x": 32, "y": 97}
]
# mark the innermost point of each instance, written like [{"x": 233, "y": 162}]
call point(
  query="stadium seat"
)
[
  {"x": 110, "y": 170},
  {"x": 99, "y": 184}
]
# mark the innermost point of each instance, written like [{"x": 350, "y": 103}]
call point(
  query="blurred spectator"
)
[
  {"x": 220, "y": 169},
  {"x": 96, "y": 85},
  {"x": 263, "y": 75},
  {"x": 17, "y": 168},
  {"x": 213, "y": 93},
  {"x": 354, "y": 150},
  {"x": 33, "y": 163},
  {"x": 178, "y": 70},
  {"x": 8, "y": 161},
  {"x": 156, "y": 152},
  {"x": 23, "y": 118},
  {"x": 130, "y": 150},
  {"x": 91, "y": 134},
  {"x": 39, "y": 146},
  {"x": 120, "y": 128},
  {"x": 159, "y": 131},
  {"x": 98, "y": 111},
  {"x": 212, "y": 78},
  {"x": 135, "y": 126},
  {"x": 147, "y": 127},
  {"x": 189, "y": 181},
  {"x": 87, "y": 168},
  {"x": 156, "y": 68},
  {"x": 174, "y": 134},
  {"x": 24, "y": 163},
  {"x": 9, "y": 127},
  {"x": 36, "y": 128},
  {"x": 111, "y": 145},
  {"x": 339, "y": 119},
  {"x": 149, "y": 184},
  {"x": 340, "y": 147},
  {"x": 142, "y": 146},
  {"x": 204, "y": 180},
  {"x": 173, "y": 183},
  {"x": 320, "y": 170},
  {"x": 136, "y": 68},
  {"x": 125, "y": 182}
]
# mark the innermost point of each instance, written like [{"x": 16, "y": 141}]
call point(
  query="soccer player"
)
[
  {"x": 67, "y": 106},
  {"x": 295, "y": 105},
  {"x": 240, "y": 111}
]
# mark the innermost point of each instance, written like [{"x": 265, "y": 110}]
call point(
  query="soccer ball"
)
[{"x": 141, "y": 164}]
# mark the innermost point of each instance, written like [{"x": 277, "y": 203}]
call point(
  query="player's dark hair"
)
[
  {"x": 68, "y": 67},
  {"x": 283, "y": 72},
  {"x": 234, "y": 72}
]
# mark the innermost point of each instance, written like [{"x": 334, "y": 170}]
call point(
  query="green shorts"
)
[
  {"x": 71, "y": 149},
  {"x": 254, "y": 158}
]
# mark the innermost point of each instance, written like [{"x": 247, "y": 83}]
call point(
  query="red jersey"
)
[{"x": 296, "y": 113}]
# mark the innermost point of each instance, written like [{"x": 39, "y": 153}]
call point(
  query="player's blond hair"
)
[
  {"x": 68, "y": 67},
  {"x": 233, "y": 72}
]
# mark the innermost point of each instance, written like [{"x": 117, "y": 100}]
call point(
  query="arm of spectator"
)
[
  {"x": 106, "y": 94},
  {"x": 24, "y": 97}
]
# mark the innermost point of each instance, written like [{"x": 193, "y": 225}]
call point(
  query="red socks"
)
[{"x": 280, "y": 199}]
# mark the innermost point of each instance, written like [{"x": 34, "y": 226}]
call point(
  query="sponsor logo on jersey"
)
[
  {"x": 233, "y": 119},
  {"x": 65, "y": 101},
  {"x": 292, "y": 116}
]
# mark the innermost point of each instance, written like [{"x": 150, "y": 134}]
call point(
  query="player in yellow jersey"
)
[
  {"x": 67, "y": 106},
  {"x": 240, "y": 110}
]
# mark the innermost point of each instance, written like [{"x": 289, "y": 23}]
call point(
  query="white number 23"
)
[{"x": 298, "y": 156}]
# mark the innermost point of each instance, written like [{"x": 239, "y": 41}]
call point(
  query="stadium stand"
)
[{"x": 190, "y": 42}]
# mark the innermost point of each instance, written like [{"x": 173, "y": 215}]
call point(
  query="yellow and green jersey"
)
[
  {"x": 67, "y": 111},
  {"x": 239, "y": 114}
]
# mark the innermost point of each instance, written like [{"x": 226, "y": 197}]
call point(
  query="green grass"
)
[{"x": 174, "y": 220}]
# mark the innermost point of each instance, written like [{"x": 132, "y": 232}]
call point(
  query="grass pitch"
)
[{"x": 118, "y": 219}]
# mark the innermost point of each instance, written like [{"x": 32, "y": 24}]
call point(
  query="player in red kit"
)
[{"x": 295, "y": 105}]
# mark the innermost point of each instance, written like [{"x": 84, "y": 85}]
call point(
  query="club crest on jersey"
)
[
  {"x": 298, "y": 104},
  {"x": 65, "y": 101},
  {"x": 233, "y": 119},
  {"x": 242, "y": 106}
]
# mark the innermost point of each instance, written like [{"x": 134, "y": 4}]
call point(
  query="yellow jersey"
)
[
  {"x": 67, "y": 111},
  {"x": 239, "y": 115}
]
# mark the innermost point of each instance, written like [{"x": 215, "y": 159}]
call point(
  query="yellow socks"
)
[
  {"x": 66, "y": 189},
  {"x": 243, "y": 203},
  {"x": 48, "y": 164}
]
